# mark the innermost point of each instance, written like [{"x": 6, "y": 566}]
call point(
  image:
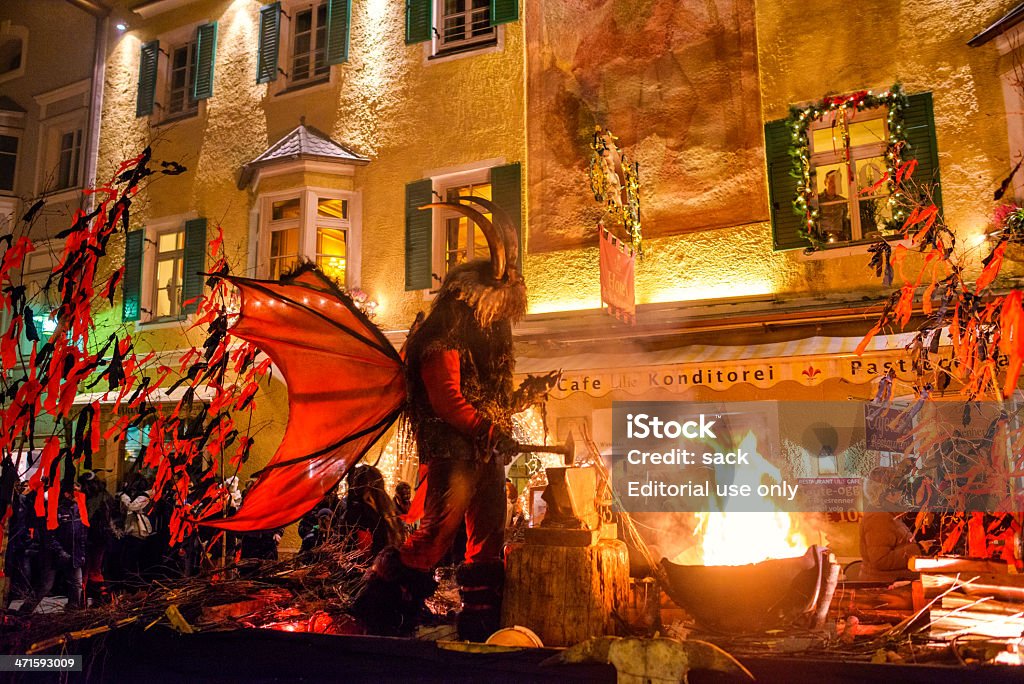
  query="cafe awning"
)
[{"x": 809, "y": 361}]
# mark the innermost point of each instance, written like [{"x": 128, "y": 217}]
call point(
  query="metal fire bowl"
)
[{"x": 747, "y": 598}]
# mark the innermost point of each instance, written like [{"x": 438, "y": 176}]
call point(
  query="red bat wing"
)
[{"x": 346, "y": 386}]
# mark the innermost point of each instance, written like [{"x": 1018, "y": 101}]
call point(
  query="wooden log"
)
[
  {"x": 955, "y": 565},
  {"x": 1003, "y": 587},
  {"x": 993, "y": 607},
  {"x": 850, "y": 598},
  {"x": 566, "y": 594}
]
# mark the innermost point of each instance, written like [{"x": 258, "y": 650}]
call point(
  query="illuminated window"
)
[
  {"x": 181, "y": 80},
  {"x": 464, "y": 24},
  {"x": 847, "y": 210},
  {"x": 311, "y": 225},
  {"x": 331, "y": 223},
  {"x": 170, "y": 255},
  {"x": 464, "y": 241},
  {"x": 309, "y": 44}
]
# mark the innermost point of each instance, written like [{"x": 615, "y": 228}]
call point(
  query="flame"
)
[{"x": 731, "y": 537}]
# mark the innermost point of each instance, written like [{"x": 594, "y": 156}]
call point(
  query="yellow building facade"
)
[{"x": 460, "y": 103}]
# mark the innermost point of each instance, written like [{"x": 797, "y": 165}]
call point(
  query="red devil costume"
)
[{"x": 459, "y": 398}]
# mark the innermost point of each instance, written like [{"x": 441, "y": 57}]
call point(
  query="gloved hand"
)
[
  {"x": 505, "y": 447},
  {"x": 496, "y": 444}
]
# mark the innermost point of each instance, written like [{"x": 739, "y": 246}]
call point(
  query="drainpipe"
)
[{"x": 99, "y": 67}]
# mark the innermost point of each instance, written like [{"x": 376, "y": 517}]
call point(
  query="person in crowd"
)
[
  {"x": 369, "y": 522},
  {"x": 20, "y": 533},
  {"x": 261, "y": 545},
  {"x": 102, "y": 511},
  {"x": 886, "y": 544},
  {"x": 135, "y": 502},
  {"x": 403, "y": 498},
  {"x": 321, "y": 533},
  {"x": 331, "y": 502},
  {"x": 514, "y": 509},
  {"x": 61, "y": 553}
]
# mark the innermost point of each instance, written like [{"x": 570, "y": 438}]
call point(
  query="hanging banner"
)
[
  {"x": 887, "y": 427},
  {"x": 617, "y": 271}
]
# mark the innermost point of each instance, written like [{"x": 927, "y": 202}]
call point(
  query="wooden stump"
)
[{"x": 566, "y": 594}]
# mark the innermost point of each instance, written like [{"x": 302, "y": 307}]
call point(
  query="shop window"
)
[{"x": 308, "y": 225}]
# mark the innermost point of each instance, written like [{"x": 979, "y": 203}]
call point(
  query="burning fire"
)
[{"x": 731, "y": 537}]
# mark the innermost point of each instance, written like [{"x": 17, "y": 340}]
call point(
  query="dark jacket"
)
[
  {"x": 67, "y": 542},
  {"x": 886, "y": 545}
]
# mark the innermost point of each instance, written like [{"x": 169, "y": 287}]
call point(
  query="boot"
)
[
  {"x": 392, "y": 597},
  {"x": 480, "y": 587}
]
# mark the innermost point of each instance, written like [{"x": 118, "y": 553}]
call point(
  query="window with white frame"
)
[
  {"x": 848, "y": 210},
  {"x": 307, "y": 224},
  {"x": 181, "y": 80},
  {"x": 308, "y": 45},
  {"x": 463, "y": 239},
  {"x": 169, "y": 261},
  {"x": 63, "y": 117},
  {"x": 464, "y": 24},
  {"x": 69, "y": 159}
]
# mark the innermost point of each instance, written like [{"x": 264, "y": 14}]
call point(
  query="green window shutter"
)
[
  {"x": 193, "y": 264},
  {"x": 418, "y": 20},
  {"x": 418, "y": 235},
  {"x": 919, "y": 128},
  {"x": 206, "y": 56},
  {"x": 149, "y": 56},
  {"x": 270, "y": 42},
  {"x": 504, "y": 11},
  {"x": 786, "y": 223},
  {"x": 339, "y": 19},
  {"x": 507, "y": 193},
  {"x": 131, "y": 285}
]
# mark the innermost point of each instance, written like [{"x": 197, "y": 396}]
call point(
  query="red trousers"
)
[{"x": 459, "y": 490}]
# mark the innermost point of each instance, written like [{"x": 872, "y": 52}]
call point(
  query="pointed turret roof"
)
[{"x": 303, "y": 142}]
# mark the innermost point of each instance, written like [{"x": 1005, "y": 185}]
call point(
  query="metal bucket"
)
[{"x": 748, "y": 598}]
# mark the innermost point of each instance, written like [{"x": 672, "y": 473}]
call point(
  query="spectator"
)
[
  {"x": 137, "y": 527},
  {"x": 61, "y": 552},
  {"x": 20, "y": 531},
  {"x": 101, "y": 509},
  {"x": 369, "y": 522},
  {"x": 403, "y": 498}
]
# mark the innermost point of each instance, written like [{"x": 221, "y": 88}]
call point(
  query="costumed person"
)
[
  {"x": 346, "y": 387},
  {"x": 886, "y": 544},
  {"x": 461, "y": 400}
]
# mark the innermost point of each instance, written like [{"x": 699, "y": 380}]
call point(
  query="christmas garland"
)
[{"x": 799, "y": 122}]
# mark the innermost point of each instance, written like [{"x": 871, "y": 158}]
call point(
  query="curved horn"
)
[
  {"x": 494, "y": 241},
  {"x": 503, "y": 220}
]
